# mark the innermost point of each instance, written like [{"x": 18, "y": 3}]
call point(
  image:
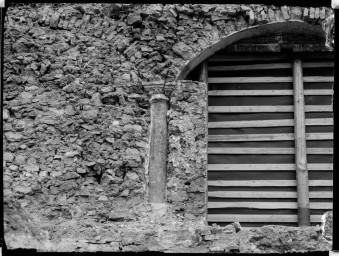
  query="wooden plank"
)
[
  {"x": 300, "y": 145},
  {"x": 267, "y": 205},
  {"x": 270, "y": 151},
  {"x": 264, "y": 194},
  {"x": 251, "y": 137},
  {"x": 263, "y": 56},
  {"x": 250, "y": 109},
  {"x": 266, "y": 167},
  {"x": 249, "y": 92},
  {"x": 259, "y": 79},
  {"x": 319, "y": 136},
  {"x": 318, "y": 92},
  {"x": 251, "y": 123},
  {"x": 250, "y": 67},
  {"x": 250, "y": 57},
  {"x": 318, "y": 79},
  {"x": 268, "y": 123},
  {"x": 318, "y": 108},
  {"x": 266, "y": 183},
  {"x": 318, "y": 121},
  {"x": 269, "y": 66},
  {"x": 221, "y": 93},
  {"x": 257, "y": 218},
  {"x": 267, "y": 137},
  {"x": 268, "y": 79},
  {"x": 270, "y": 109},
  {"x": 320, "y": 151}
]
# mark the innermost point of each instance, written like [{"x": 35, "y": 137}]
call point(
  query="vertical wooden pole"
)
[{"x": 300, "y": 144}]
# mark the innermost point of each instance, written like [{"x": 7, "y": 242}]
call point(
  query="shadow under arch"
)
[{"x": 292, "y": 26}]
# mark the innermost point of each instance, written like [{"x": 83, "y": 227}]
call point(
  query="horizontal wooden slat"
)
[
  {"x": 257, "y": 218},
  {"x": 268, "y": 123},
  {"x": 318, "y": 108},
  {"x": 270, "y": 194},
  {"x": 266, "y": 183},
  {"x": 318, "y": 79},
  {"x": 268, "y": 79},
  {"x": 259, "y": 151},
  {"x": 270, "y": 109},
  {"x": 259, "y": 79},
  {"x": 251, "y": 123},
  {"x": 267, "y": 205},
  {"x": 250, "y": 67},
  {"x": 265, "y": 92},
  {"x": 318, "y": 121},
  {"x": 249, "y": 109},
  {"x": 267, "y": 57},
  {"x": 249, "y": 92},
  {"x": 268, "y": 66},
  {"x": 318, "y": 92},
  {"x": 267, "y": 167},
  {"x": 267, "y": 137}
]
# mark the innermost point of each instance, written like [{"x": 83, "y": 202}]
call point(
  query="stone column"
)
[{"x": 158, "y": 149}]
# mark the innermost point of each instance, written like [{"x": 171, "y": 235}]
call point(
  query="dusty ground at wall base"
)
[{"x": 152, "y": 233}]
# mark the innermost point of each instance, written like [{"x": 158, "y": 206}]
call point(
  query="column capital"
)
[
  {"x": 159, "y": 87},
  {"x": 159, "y": 97}
]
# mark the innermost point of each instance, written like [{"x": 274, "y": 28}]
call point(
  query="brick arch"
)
[{"x": 295, "y": 26}]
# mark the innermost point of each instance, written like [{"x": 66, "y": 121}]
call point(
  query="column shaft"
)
[{"x": 158, "y": 149}]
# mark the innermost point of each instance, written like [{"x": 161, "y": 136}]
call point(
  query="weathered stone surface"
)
[
  {"x": 188, "y": 166},
  {"x": 183, "y": 50},
  {"x": 295, "y": 12},
  {"x": 327, "y": 225}
]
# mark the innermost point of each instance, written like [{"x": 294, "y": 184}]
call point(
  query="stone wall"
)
[
  {"x": 76, "y": 120},
  {"x": 187, "y": 158},
  {"x": 75, "y": 138}
]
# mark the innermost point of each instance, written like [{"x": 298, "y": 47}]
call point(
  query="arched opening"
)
[
  {"x": 296, "y": 27},
  {"x": 252, "y": 125}
]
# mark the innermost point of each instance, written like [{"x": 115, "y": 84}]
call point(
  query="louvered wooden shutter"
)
[{"x": 251, "y": 148}]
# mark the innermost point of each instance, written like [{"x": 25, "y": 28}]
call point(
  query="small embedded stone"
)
[
  {"x": 81, "y": 170},
  {"x": 160, "y": 38},
  {"x": 237, "y": 226},
  {"x": 295, "y": 12},
  {"x": 32, "y": 168},
  {"x": 110, "y": 140},
  {"x": 124, "y": 193},
  {"x": 13, "y": 167},
  {"x": 5, "y": 114},
  {"x": 71, "y": 153},
  {"x": 285, "y": 10},
  {"x": 229, "y": 229},
  {"x": 26, "y": 95},
  {"x": 103, "y": 198},
  {"x": 71, "y": 175},
  {"x": 13, "y": 136},
  {"x": 31, "y": 88},
  {"x": 183, "y": 50},
  {"x": 251, "y": 18},
  {"x": 8, "y": 157},
  {"x": 133, "y": 19},
  {"x": 55, "y": 20}
]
